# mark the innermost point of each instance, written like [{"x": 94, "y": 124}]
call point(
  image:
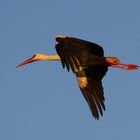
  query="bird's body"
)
[{"x": 87, "y": 61}]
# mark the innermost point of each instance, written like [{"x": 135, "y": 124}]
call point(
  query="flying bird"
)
[{"x": 87, "y": 61}]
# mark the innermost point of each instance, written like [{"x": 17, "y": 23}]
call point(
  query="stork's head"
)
[{"x": 35, "y": 57}]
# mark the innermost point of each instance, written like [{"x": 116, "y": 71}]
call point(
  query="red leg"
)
[
  {"x": 130, "y": 66},
  {"x": 126, "y": 66},
  {"x": 118, "y": 66}
]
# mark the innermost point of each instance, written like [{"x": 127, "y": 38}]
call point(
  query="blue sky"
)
[{"x": 42, "y": 101}]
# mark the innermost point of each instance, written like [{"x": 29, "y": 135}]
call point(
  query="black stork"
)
[{"x": 87, "y": 61}]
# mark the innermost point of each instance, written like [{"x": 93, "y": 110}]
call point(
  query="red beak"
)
[{"x": 25, "y": 62}]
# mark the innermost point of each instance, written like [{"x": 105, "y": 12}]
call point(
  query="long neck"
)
[
  {"x": 50, "y": 57},
  {"x": 54, "y": 57}
]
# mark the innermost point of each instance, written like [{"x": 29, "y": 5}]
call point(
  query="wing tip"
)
[{"x": 97, "y": 116}]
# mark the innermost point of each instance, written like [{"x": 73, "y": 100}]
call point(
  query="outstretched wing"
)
[
  {"x": 90, "y": 84},
  {"x": 86, "y": 60},
  {"x": 76, "y": 52}
]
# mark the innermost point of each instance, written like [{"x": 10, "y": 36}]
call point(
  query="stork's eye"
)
[{"x": 34, "y": 55}]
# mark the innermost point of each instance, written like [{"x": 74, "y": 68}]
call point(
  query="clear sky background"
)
[{"x": 41, "y": 101}]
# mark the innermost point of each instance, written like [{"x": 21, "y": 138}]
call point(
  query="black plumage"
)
[{"x": 86, "y": 59}]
